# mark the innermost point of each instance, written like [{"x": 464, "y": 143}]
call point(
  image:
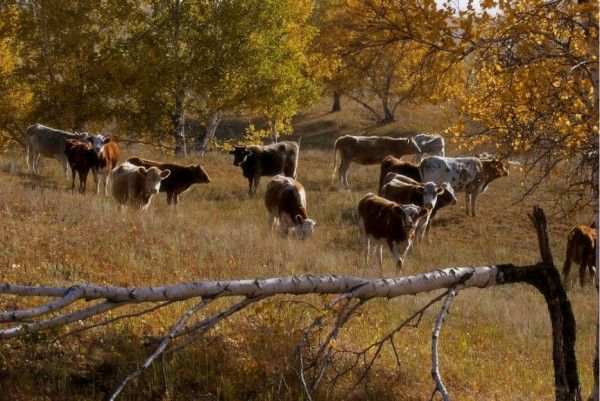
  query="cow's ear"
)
[
  {"x": 423, "y": 211},
  {"x": 440, "y": 190},
  {"x": 165, "y": 173},
  {"x": 298, "y": 219},
  {"x": 143, "y": 170},
  {"x": 247, "y": 152},
  {"x": 106, "y": 140},
  {"x": 420, "y": 190}
]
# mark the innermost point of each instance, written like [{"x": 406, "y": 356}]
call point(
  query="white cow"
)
[
  {"x": 430, "y": 144},
  {"x": 469, "y": 174}
]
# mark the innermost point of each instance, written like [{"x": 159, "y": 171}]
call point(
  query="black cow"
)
[{"x": 268, "y": 160}]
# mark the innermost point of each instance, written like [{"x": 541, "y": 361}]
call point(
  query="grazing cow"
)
[
  {"x": 81, "y": 157},
  {"x": 268, "y": 160},
  {"x": 581, "y": 249},
  {"x": 367, "y": 150},
  {"x": 285, "y": 201},
  {"x": 387, "y": 222},
  {"x": 446, "y": 198},
  {"x": 180, "y": 179},
  {"x": 392, "y": 165},
  {"x": 49, "y": 142},
  {"x": 469, "y": 174},
  {"x": 424, "y": 195},
  {"x": 134, "y": 185},
  {"x": 109, "y": 155},
  {"x": 430, "y": 144}
]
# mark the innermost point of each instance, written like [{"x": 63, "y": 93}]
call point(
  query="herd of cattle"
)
[{"x": 409, "y": 195}]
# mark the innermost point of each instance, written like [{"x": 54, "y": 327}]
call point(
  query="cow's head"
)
[
  {"x": 413, "y": 146},
  {"x": 430, "y": 192},
  {"x": 152, "y": 177},
  {"x": 447, "y": 198},
  {"x": 239, "y": 154},
  {"x": 199, "y": 175},
  {"x": 304, "y": 228},
  {"x": 495, "y": 167},
  {"x": 410, "y": 215},
  {"x": 98, "y": 141}
]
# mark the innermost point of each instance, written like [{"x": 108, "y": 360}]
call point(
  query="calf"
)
[
  {"x": 134, "y": 186},
  {"x": 269, "y": 160},
  {"x": 393, "y": 165},
  {"x": 81, "y": 158},
  {"x": 430, "y": 144},
  {"x": 180, "y": 179},
  {"x": 285, "y": 200},
  {"x": 581, "y": 249},
  {"x": 49, "y": 142},
  {"x": 367, "y": 150},
  {"x": 469, "y": 174},
  {"x": 423, "y": 195},
  {"x": 109, "y": 155},
  {"x": 387, "y": 222}
]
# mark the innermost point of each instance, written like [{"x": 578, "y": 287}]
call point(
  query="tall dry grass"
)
[{"x": 495, "y": 344}]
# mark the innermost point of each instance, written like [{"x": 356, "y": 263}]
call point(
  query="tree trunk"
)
[
  {"x": 388, "y": 114},
  {"x": 179, "y": 123},
  {"x": 337, "y": 106},
  {"x": 206, "y": 135},
  {"x": 273, "y": 126}
]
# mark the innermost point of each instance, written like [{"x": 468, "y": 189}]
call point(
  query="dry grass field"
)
[{"x": 495, "y": 345}]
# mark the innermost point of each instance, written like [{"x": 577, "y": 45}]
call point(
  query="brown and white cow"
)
[
  {"x": 469, "y": 174},
  {"x": 81, "y": 158},
  {"x": 181, "y": 177},
  {"x": 446, "y": 198},
  {"x": 285, "y": 200},
  {"x": 393, "y": 165},
  {"x": 109, "y": 155},
  {"x": 581, "y": 249},
  {"x": 387, "y": 223},
  {"x": 423, "y": 195},
  {"x": 268, "y": 160},
  {"x": 134, "y": 185},
  {"x": 367, "y": 150}
]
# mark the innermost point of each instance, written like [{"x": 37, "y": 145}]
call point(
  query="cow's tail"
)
[{"x": 335, "y": 153}]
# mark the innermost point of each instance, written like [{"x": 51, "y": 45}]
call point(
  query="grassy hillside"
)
[{"x": 496, "y": 343}]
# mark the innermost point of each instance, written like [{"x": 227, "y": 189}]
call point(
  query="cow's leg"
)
[
  {"x": 379, "y": 249},
  {"x": 96, "y": 180},
  {"x": 29, "y": 159},
  {"x": 255, "y": 184},
  {"x": 36, "y": 163},
  {"x": 343, "y": 172},
  {"x": 421, "y": 227},
  {"x": 65, "y": 166},
  {"x": 398, "y": 251},
  {"x": 83, "y": 179},
  {"x": 283, "y": 227},
  {"x": 467, "y": 203},
  {"x": 582, "y": 270},
  {"x": 592, "y": 272},
  {"x": 473, "y": 200},
  {"x": 73, "y": 172},
  {"x": 270, "y": 223}
]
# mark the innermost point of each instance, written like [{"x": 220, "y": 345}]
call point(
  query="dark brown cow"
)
[
  {"x": 81, "y": 158},
  {"x": 367, "y": 150},
  {"x": 285, "y": 200},
  {"x": 387, "y": 223},
  {"x": 393, "y": 165},
  {"x": 181, "y": 177},
  {"x": 269, "y": 160},
  {"x": 424, "y": 195},
  {"x": 134, "y": 185},
  {"x": 581, "y": 249}
]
